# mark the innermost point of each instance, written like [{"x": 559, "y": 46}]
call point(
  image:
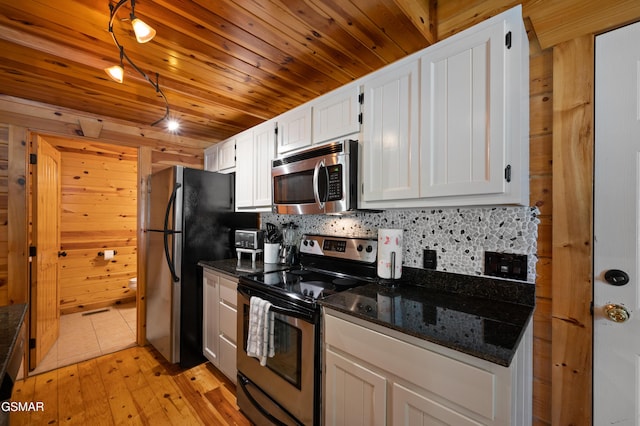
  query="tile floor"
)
[{"x": 85, "y": 336}]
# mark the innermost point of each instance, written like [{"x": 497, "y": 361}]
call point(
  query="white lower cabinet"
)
[
  {"x": 375, "y": 377},
  {"x": 355, "y": 394},
  {"x": 219, "y": 321}
]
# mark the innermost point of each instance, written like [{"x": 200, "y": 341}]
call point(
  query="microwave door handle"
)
[{"x": 316, "y": 189}]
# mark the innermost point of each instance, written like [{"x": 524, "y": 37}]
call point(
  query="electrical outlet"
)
[
  {"x": 505, "y": 265},
  {"x": 429, "y": 259}
]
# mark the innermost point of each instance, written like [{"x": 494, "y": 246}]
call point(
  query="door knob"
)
[
  {"x": 616, "y": 277},
  {"x": 617, "y": 313}
]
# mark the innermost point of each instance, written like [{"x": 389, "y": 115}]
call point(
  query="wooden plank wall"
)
[
  {"x": 156, "y": 149},
  {"x": 4, "y": 211},
  {"x": 99, "y": 212},
  {"x": 540, "y": 182}
]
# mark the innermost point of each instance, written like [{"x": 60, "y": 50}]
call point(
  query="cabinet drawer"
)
[
  {"x": 228, "y": 319},
  {"x": 462, "y": 384},
  {"x": 228, "y": 359},
  {"x": 228, "y": 292}
]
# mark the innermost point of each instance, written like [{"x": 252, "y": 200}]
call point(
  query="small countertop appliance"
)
[{"x": 249, "y": 241}]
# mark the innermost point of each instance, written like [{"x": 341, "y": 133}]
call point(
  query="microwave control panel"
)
[{"x": 335, "y": 183}]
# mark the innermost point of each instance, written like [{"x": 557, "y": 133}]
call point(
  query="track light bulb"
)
[
  {"x": 116, "y": 72},
  {"x": 144, "y": 32},
  {"x": 173, "y": 125}
]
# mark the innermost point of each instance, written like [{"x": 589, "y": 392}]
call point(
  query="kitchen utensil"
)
[{"x": 273, "y": 234}]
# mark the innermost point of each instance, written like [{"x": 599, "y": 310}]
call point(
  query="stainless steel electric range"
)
[{"x": 286, "y": 391}]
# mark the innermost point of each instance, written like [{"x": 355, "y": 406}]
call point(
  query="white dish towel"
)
[{"x": 260, "y": 341}]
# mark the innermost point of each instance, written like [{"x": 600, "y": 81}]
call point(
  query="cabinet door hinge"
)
[
  {"x": 32, "y": 250},
  {"x": 361, "y": 98},
  {"x": 32, "y": 343},
  {"x": 360, "y": 118},
  {"x": 33, "y": 159},
  {"x": 507, "y": 40},
  {"x": 507, "y": 173}
]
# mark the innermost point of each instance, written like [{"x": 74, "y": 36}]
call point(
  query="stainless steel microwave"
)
[{"x": 317, "y": 180}]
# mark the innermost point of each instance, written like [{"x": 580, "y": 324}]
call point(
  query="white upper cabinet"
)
[
  {"x": 221, "y": 157},
  {"x": 463, "y": 115},
  {"x": 294, "y": 129},
  {"x": 211, "y": 158},
  {"x": 256, "y": 149},
  {"x": 264, "y": 150},
  {"x": 390, "y": 139},
  {"x": 459, "y": 133},
  {"x": 244, "y": 170},
  {"x": 227, "y": 155},
  {"x": 336, "y": 114}
]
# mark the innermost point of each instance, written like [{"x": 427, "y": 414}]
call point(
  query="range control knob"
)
[
  {"x": 359, "y": 248},
  {"x": 305, "y": 242},
  {"x": 369, "y": 249},
  {"x": 311, "y": 243}
]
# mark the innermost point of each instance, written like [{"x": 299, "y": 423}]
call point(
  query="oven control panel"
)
[{"x": 358, "y": 249}]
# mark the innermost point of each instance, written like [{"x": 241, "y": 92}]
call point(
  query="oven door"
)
[
  {"x": 286, "y": 390},
  {"x": 320, "y": 180}
]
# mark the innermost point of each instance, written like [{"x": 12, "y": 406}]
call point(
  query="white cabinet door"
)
[
  {"x": 264, "y": 150},
  {"x": 390, "y": 135},
  {"x": 255, "y": 149},
  {"x": 355, "y": 395},
  {"x": 228, "y": 329},
  {"x": 211, "y": 158},
  {"x": 294, "y": 129},
  {"x": 336, "y": 114},
  {"x": 244, "y": 170},
  {"x": 210, "y": 323},
  {"x": 413, "y": 408},
  {"x": 463, "y": 115},
  {"x": 227, "y": 154}
]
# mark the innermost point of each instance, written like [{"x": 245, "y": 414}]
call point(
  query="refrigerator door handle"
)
[{"x": 167, "y": 231}]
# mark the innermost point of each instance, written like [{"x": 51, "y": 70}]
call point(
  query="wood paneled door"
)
[{"x": 45, "y": 313}]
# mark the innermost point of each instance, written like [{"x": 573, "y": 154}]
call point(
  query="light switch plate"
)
[{"x": 505, "y": 265}]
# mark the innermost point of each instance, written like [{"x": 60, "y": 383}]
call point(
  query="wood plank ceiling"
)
[{"x": 224, "y": 65}]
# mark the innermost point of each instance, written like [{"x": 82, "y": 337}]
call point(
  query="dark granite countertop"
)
[
  {"x": 11, "y": 318},
  {"x": 480, "y": 316},
  {"x": 242, "y": 267}
]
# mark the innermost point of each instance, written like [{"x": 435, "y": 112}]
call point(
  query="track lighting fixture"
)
[
  {"x": 144, "y": 33},
  {"x": 116, "y": 72}
]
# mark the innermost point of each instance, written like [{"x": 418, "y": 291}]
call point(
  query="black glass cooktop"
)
[{"x": 305, "y": 284}]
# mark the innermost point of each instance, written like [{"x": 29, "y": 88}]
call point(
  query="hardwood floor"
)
[{"x": 133, "y": 386}]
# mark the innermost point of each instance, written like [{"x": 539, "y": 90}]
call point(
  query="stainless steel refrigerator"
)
[{"x": 191, "y": 218}]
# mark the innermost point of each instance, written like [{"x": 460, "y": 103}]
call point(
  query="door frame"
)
[{"x": 22, "y": 157}]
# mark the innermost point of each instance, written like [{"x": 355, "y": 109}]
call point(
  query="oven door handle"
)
[
  {"x": 279, "y": 310},
  {"x": 316, "y": 189}
]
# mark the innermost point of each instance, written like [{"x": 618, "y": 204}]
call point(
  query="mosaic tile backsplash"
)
[{"x": 459, "y": 235}]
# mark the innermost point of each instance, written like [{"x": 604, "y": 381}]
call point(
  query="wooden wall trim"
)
[
  {"x": 572, "y": 324},
  {"x": 18, "y": 250},
  {"x": 60, "y": 121},
  {"x": 144, "y": 170},
  {"x": 562, "y": 20}
]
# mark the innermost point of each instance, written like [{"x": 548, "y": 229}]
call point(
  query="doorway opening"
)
[{"x": 84, "y": 208}]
